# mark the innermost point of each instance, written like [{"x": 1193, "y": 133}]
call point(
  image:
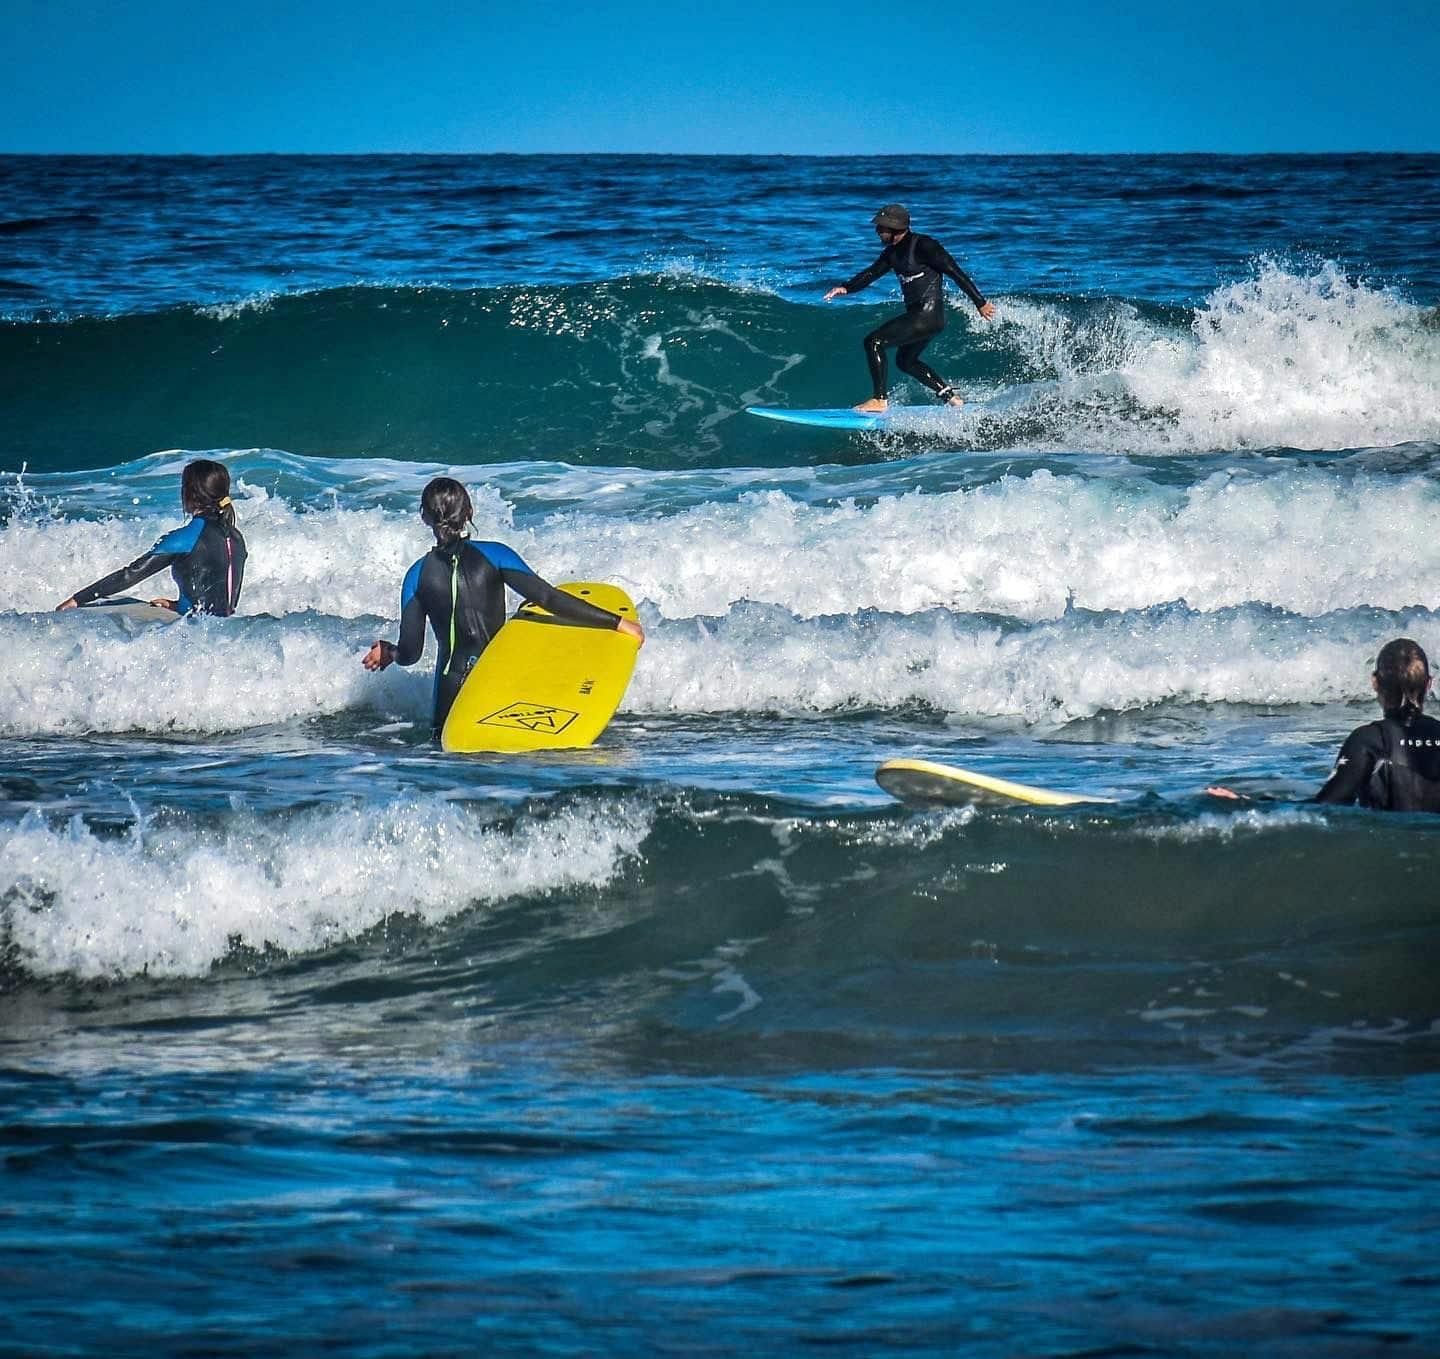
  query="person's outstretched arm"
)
[
  {"x": 174, "y": 545},
  {"x": 563, "y": 604},
  {"x": 1352, "y": 770},
  {"x": 863, "y": 279},
  {"x": 412, "y": 628},
  {"x": 1353, "y": 767}
]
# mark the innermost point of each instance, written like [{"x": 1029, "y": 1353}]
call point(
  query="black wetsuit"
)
[
  {"x": 206, "y": 558},
  {"x": 1391, "y": 766},
  {"x": 922, "y": 264},
  {"x": 460, "y": 588}
]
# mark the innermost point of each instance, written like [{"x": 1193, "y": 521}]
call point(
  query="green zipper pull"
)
[{"x": 454, "y": 595}]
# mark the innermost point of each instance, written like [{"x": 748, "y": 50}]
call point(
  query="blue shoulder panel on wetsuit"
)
[
  {"x": 412, "y": 584},
  {"x": 502, "y": 558},
  {"x": 181, "y": 542}
]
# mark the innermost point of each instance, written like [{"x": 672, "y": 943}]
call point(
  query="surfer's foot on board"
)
[
  {"x": 947, "y": 397},
  {"x": 874, "y": 406}
]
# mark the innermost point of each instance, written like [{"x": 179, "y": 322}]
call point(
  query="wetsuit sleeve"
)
[
  {"x": 1352, "y": 770},
  {"x": 521, "y": 579},
  {"x": 570, "y": 607},
  {"x": 178, "y": 543},
  {"x": 933, "y": 254},
  {"x": 868, "y": 276},
  {"x": 411, "y": 645}
]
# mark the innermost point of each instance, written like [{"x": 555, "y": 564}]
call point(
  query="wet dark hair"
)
[
  {"x": 445, "y": 506},
  {"x": 205, "y": 489},
  {"x": 1402, "y": 675}
]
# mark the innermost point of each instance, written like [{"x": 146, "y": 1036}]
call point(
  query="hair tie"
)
[{"x": 223, "y": 501}]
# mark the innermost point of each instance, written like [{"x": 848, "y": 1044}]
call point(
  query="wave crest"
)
[{"x": 655, "y": 370}]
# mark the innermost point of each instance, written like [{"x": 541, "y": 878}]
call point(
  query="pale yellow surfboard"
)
[
  {"x": 926, "y": 781},
  {"x": 544, "y": 684},
  {"x": 132, "y": 611}
]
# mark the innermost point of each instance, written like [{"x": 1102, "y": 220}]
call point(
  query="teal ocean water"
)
[{"x": 316, "y": 1040}]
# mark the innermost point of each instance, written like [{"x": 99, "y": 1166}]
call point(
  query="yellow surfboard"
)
[
  {"x": 544, "y": 684},
  {"x": 925, "y": 781}
]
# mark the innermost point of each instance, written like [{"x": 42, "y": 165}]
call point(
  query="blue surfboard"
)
[{"x": 840, "y": 418}]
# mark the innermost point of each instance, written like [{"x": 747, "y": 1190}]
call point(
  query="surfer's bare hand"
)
[
  {"x": 835, "y": 292},
  {"x": 379, "y": 656},
  {"x": 632, "y": 629},
  {"x": 162, "y": 604},
  {"x": 1215, "y": 790},
  {"x": 66, "y": 604},
  {"x": 988, "y": 311}
]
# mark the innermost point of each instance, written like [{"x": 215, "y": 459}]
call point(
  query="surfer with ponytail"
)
[
  {"x": 206, "y": 557},
  {"x": 459, "y": 586},
  {"x": 1392, "y": 765}
]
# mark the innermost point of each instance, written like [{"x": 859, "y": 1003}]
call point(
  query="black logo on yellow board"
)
[{"x": 542, "y": 718}]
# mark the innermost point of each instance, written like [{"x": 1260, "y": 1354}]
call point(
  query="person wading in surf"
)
[
  {"x": 206, "y": 557},
  {"x": 460, "y": 587},
  {"x": 1392, "y": 765},
  {"x": 922, "y": 264}
]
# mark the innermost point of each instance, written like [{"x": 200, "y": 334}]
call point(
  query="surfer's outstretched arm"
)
[
  {"x": 412, "y": 628},
  {"x": 167, "y": 551},
  {"x": 564, "y": 605},
  {"x": 142, "y": 568},
  {"x": 1352, "y": 769},
  {"x": 863, "y": 279}
]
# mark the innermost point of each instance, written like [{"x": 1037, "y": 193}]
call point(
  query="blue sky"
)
[{"x": 800, "y": 78}]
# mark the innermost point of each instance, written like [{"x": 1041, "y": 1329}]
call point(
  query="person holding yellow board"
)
[{"x": 459, "y": 586}]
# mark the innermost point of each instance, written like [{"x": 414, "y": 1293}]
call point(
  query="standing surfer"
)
[
  {"x": 460, "y": 587},
  {"x": 922, "y": 264}
]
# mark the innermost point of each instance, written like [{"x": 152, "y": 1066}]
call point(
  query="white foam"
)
[
  {"x": 1024, "y": 546},
  {"x": 174, "y": 899},
  {"x": 815, "y": 605},
  {"x": 761, "y": 659},
  {"x": 1237, "y": 824},
  {"x": 257, "y": 302},
  {"x": 1281, "y": 359},
  {"x": 69, "y": 677},
  {"x": 73, "y": 673},
  {"x": 1302, "y": 538}
]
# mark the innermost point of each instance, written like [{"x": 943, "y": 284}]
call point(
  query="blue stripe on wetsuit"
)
[
  {"x": 501, "y": 557},
  {"x": 411, "y": 585},
  {"x": 181, "y": 543}
]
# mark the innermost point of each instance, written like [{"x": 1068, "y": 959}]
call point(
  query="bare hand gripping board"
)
[{"x": 543, "y": 683}]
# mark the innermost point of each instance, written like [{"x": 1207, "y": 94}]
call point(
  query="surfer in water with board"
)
[
  {"x": 206, "y": 557},
  {"x": 460, "y": 587},
  {"x": 922, "y": 264},
  {"x": 1392, "y": 765}
]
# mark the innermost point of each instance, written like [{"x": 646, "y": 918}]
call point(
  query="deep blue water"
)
[{"x": 316, "y": 1040}]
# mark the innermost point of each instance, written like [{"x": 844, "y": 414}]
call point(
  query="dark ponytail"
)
[
  {"x": 205, "y": 489},
  {"x": 445, "y": 506},
  {"x": 1402, "y": 677}
]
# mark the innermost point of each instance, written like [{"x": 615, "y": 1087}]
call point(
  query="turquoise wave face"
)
[{"x": 655, "y": 371}]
